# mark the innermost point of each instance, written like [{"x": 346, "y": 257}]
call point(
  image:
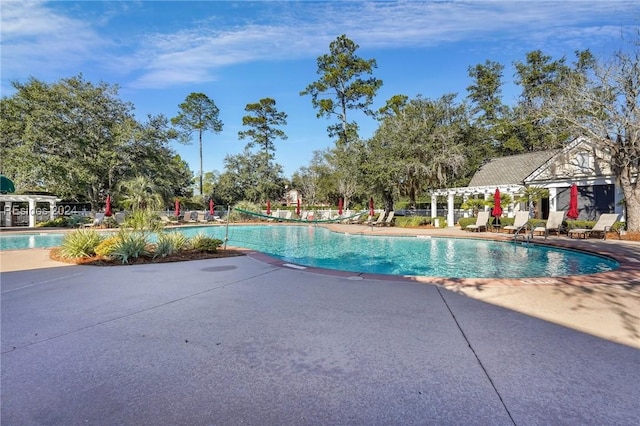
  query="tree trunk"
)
[
  {"x": 200, "y": 134},
  {"x": 632, "y": 201},
  {"x": 387, "y": 200}
]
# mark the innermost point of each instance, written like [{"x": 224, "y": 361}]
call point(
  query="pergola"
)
[
  {"x": 466, "y": 192},
  {"x": 9, "y": 199}
]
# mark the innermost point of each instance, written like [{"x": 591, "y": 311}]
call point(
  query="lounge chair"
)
[
  {"x": 602, "y": 226},
  {"x": 357, "y": 218},
  {"x": 120, "y": 217},
  {"x": 202, "y": 217},
  {"x": 481, "y": 222},
  {"x": 97, "y": 221},
  {"x": 554, "y": 223},
  {"x": 165, "y": 219},
  {"x": 387, "y": 221},
  {"x": 378, "y": 221},
  {"x": 522, "y": 217},
  {"x": 188, "y": 217}
]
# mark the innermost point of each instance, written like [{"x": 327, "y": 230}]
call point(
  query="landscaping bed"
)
[{"x": 182, "y": 256}]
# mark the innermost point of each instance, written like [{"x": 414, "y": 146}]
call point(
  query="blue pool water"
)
[{"x": 442, "y": 257}]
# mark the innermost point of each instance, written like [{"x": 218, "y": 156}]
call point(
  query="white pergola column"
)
[
  {"x": 465, "y": 213},
  {"x": 8, "y": 213},
  {"x": 553, "y": 199},
  {"x": 52, "y": 210},
  {"x": 450, "y": 217},
  {"x": 32, "y": 213},
  {"x": 434, "y": 205}
]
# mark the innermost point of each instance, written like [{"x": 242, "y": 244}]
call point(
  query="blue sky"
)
[{"x": 238, "y": 52}]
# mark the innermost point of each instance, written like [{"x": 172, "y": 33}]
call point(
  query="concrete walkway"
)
[{"x": 248, "y": 341}]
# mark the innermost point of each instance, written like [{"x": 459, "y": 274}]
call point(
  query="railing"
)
[{"x": 525, "y": 233}]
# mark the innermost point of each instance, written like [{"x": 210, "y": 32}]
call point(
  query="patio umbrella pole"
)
[{"x": 226, "y": 234}]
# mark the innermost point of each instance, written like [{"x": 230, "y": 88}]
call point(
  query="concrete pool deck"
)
[
  {"x": 606, "y": 305},
  {"x": 248, "y": 340}
]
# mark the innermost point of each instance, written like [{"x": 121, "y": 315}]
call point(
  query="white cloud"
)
[
  {"x": 35, "y": 39},
  {"x": 37, "y": 36}
]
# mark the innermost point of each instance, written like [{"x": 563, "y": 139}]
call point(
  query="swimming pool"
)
[{"x": 441, "y": 257}]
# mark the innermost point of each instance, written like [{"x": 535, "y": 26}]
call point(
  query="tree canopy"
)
[
  {"x": 79, "y": 140},
  {"x": 343, "y": 86},
  {"x": 197, "y": 114}
]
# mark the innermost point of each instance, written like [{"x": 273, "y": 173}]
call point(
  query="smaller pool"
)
[
  {"x": 32, "y": 240},
  {"x": 436, "y": 257}
]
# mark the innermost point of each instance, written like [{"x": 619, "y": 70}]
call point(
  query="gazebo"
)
[{"x": 7, "y": 200}]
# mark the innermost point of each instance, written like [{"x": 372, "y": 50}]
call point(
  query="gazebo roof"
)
[{"x": 510, "y": 170}]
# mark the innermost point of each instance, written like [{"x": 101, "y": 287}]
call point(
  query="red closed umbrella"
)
[
  {"x": 211, "y": 206},
  {"x": 107, "y": 209},
  {"x": 573, "y": 203},
  {"x": 298, "y": 207},
  {"x": 497, "y": 208},
  {"x": 340, "y": 206},
  {"x": 268, "y": 208},
  {"x": 176, "y": 211},
  {"x": 371, "y": 212}
]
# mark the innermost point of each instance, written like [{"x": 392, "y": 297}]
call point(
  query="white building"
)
[{"x": 580, "y": 162}]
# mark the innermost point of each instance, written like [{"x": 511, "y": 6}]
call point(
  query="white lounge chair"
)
[
  {"x": 377, "y": 221},
  {"x": 97, "y": 221},
  {"x": 481, "y": 222},
  {"x": 387, "y": 221},
  {"x": 357, "y": 218},
  {"x": 202, "y": 217},
  {"x": 188, "y": 217},
  {"x": 120, "y": 217},
  {"x": 522, "y": 217},
  {"x": 554, "y": 223},
  {"x": 602, "y": 226}
]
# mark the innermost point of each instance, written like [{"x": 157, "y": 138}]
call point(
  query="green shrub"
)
[
  {"x": 203, "y": 243},
  {"x": 109, "y": 222},
  {"x": 236, "y": 216},
  {"x": 441, "y": 220},
  {"x": 80, "y": 243},
  {"x": 143, "y": 220},
  {"x": 130, "y": 245},
  {"x": 411, "y": 221},
  {"x": 466, "y": 221},
  {"x": 58, "y": 222},
  {"x": 106, "y": 247},
  {"x": 64, "y": 222},
  {"x": 170, "y": 242},
  {"x": 589, "y": 224}
]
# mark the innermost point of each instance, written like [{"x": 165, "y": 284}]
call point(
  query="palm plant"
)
[
  {"x": 533, "y": 195},
  {"x": 141, "y": 194}
]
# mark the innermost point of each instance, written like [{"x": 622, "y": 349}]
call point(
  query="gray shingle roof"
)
[{"x": 511, "y": 170}]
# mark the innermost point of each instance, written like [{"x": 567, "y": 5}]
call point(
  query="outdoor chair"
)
[
  {"x": 287, "y": 216},
  {"x": 188, "y": 217},
  {"x": 358, "y": 218},
  {"x": 521, "y": 219},
  {"x": 554, "y": 223},
  {"x": 602, "y": 226},
  {"x": 97, "y": 221},
  {"x": 387, "y": 221},
  {"x": 481, "y": 222},
  {"x": 378, "y": 221},
  {"x": 202, "y": 217},
  {"x": 120, "y": 217}
]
